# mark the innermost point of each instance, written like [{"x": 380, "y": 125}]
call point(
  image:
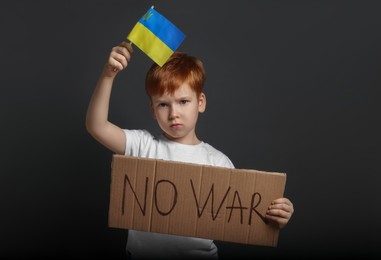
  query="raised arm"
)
[{"x": 97, "y": 124}]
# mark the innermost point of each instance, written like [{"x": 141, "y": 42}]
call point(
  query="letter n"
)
[{"x": 127, "y": 180}]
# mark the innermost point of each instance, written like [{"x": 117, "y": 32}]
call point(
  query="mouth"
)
[{"x": 176, "y": 126}]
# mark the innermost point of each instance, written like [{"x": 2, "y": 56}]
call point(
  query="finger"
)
[
  {"x": 115, "y": 65},
  {"x": 118, "y": 61},
  {"x": 123, "y": 51},
  {"x": 281, "y": 206},
  {"x": 277, "y": 219},
  {"x": 279, "y": 213},
  {"x": 278, "y": 216},
  {"x": 281, "y": 201},
  {"x": 128, "y": 46},
  {"x": 280, "y": 222},
  {"x": 121, "y": 59}
]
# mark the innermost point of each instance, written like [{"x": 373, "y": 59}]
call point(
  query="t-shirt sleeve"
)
[
  {"x": 138, "y": 142},
  {"x": 218, "y": 158},
  {"x": 224, "y": 161}
]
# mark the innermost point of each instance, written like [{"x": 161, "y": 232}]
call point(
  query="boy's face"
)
[{"x": 177, "y": 114}]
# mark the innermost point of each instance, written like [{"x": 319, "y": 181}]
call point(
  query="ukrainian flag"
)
[{"x": 156, "y": 36}]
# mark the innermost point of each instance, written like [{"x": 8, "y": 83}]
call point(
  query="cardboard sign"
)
[{"x": 193, "y": 200}]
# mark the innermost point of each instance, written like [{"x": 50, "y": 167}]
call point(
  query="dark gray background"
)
[{"x": 293, "y": 86}]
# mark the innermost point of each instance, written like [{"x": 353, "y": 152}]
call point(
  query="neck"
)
[{"x": 184, "y": 140}]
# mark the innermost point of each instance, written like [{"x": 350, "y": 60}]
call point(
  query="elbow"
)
[
  {"x": 97, "y": 131},
  {"x": 90, "y": 128},
  {"x": 93, "y": 131},
  {"x": 88, "y": 125}
]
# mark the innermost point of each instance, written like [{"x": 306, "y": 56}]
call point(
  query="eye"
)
[
  {"x": 184, "y": 101},
  {"x": 162, "y": 105}
]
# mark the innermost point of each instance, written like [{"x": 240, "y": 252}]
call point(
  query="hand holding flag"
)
[
  {"x": 156, "y": 36},
  {"x": 120, "y": 56}
]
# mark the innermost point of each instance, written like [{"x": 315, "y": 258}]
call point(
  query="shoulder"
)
[
  {"x": 218, "y": 157},
  {"x": 138, "y": 134},
  {"x": 139, "y": 142}
]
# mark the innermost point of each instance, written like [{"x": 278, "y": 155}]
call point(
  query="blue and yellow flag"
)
[{"x": 156, "y": 36}]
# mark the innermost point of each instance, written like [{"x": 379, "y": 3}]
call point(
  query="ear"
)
[{"x": 201, "y": 103}]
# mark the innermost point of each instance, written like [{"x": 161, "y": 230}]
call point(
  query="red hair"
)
[{"x": 180, "y": 68}]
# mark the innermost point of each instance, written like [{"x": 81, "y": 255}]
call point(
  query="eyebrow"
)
[
  {"x": 163, "y": 100},
  {"x": 184, "y": 97}
]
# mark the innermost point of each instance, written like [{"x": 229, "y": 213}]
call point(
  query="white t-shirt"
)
[{"x": 148, "y": 245}]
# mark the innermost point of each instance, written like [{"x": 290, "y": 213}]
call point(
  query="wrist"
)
[{"x": 108, "y": 73}]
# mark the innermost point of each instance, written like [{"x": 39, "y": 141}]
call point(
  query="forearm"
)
[
  {"x": 98, "y": 109},
  {"x": 97, "y": 124}
]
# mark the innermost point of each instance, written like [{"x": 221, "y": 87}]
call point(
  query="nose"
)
[{"x": 173, "y": 112}]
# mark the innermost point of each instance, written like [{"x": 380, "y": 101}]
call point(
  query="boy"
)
[{"x": 176, "y": 94}]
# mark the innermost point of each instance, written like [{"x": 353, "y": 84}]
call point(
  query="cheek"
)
[
  {"x": 160, "y": 115},
  {"x": 193, "y": 115}
]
